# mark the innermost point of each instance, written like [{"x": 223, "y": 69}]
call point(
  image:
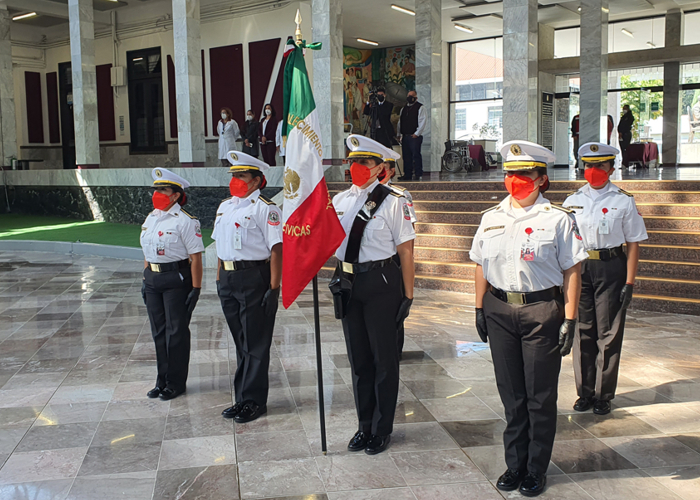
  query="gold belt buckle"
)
[
  {"x": 229, "y": 265},
  {"x": 155, "y": 268},
  {"x": 594, "y": 254},
  {"x": 348, "y": 268},
  {"x": 515, "y": 298}
]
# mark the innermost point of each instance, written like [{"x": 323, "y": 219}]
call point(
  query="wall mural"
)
[{"x": 364, "y": 69}]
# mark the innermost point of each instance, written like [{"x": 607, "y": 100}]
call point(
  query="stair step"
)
[
  {"x": 441, "y": 228},
  {"x": 669, "y": 237},
  {"x": 445, "y": 241}
]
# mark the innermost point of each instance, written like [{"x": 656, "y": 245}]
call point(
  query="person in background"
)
[
  {"x": 412, "y": 122},
  {"x": 611, "y": 127},
  {"x": 382, "y": 129},
  {"x": 624, "y": 128},
  {"x": 574, "y": 136},
  {"x": 228, "y": 135},
  {"x": 172, "y": 280},
  {"x": 279, "y": 141},
  {"x": 267, "y": 132},
  {"x": 250, "y": 135},
  {"x": 248, "y": 234},
  {"x": 608, "y": 219},
  {"x": 528, "y": 255}
]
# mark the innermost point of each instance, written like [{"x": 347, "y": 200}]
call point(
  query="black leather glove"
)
[
  {"x": 404, "y": 309},
  {"x": 143, "y": 291},
  {"x": 218, "y": 288},
  {"x": 566, "y": 336},
  {"x": 481, "y": 324},
  {"x": 626, "y": 295},
  {"x": 192, "y": 299},
  {"x": 270, "y": 301}
]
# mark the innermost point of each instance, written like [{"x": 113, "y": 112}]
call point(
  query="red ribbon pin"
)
[
  {"x": 605, "y": 210},
  {"x": 237, "y": 224},
  {"x": 528, "y": 231},
  {"x": 160, "y": 233}
]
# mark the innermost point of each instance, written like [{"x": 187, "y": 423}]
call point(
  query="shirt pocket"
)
[
  {"x": 491, "y": 242},
  {"x": 544, "y": 242},
  {"x": 170, "y": 237},
  {"x": 376, "y": 224}
]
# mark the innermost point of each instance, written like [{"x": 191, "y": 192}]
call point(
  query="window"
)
[
  {"x": 691, "y": 35},
  {"x": 461, "y": 119},
  {"x": 146, "y": 101},
  {"x": 496, "y": 116}
]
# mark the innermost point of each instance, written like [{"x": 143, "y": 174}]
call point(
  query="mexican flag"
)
[{"x": 312, "y": 231}]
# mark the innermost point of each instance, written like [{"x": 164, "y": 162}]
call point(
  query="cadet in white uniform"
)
[
  {"x": 608, "y": 218},
  {"x": 526, "y": 251},
  {"x": 248, "y": 234},
  {"x": 172, "y": 280},
  {"x": 229, "y": 133},
  {"x": 377, "y": 223},
  {"x": 386, "y": 178}
]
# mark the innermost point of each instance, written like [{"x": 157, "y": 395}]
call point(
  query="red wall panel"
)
[
  {"x": 261, "y": 57},
  {"x": 226, "y": 73},
  {"x": 35, "y": 118},
  {"x": 52, "y": 104},
  {"x": 105, "y": 103}
]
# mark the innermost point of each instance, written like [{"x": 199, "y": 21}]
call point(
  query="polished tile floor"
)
[{"x": 76, "y": 360}]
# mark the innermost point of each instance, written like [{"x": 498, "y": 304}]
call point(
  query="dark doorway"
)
[
  {"x": 146, "y": 117},
  {"x": 65, "y": 89}
]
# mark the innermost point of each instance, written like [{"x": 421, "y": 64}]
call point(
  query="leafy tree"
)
[{"x": 634, "y": 99}]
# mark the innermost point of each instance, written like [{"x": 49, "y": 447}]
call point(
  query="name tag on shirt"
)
[
  {"x": 604, "y": 227},
  {"x": 237, "y": 243}
]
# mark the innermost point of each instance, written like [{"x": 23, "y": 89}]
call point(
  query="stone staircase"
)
[{"x": 669, "y": 269}]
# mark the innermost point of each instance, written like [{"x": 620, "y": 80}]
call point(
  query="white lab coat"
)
[{"x": 227, "y": 137}]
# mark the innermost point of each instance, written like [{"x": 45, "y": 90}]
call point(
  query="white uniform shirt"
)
[
  {"x": 390, "y": 226},
  {"x": 170, "y": 236},
  {"x": 613, "y": 212},
  {"x": 227, "y": 137},
  {"x": 408, "y": 196},
  {"x": 527, "y": 251},
  {"x": 279, "y": 141},
  {"x": 248, "y": 223}
]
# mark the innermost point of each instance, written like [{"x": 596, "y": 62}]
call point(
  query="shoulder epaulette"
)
[
  {"x": 489, "y": 209},
  {"x": 572, "y": 193},
  {"x": 188, "y": 214},
  {"x": 226, "y": 199},
  {"x": 562, "y": 209},
  {"x": 398, "y": 195},
  {"x": 399, "y": 188},
  {"x": 625, "y": 192},
  {"x": 266, "y": 200}
]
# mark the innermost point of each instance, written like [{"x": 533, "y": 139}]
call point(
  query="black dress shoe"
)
[
  {"x": 167, "y": 394},
  {"x": 510, "y": 480},
  {"x": 359, "y": 441},
  {"x": 583, "y": 404},
  {"x": 154, "y": 393},
  {"x": 601, "y": 407},
  {"x": 377, "y": 444},
  {"x": 404, "y": 178},
  {"x": 250, "y": 412},
  {"x": 533, "y": 484},
  {"x": 232, "y": 411}
]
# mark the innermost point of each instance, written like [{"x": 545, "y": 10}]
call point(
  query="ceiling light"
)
[
  {"x": 24, "y": 16},
  {"x": 605, "y": 9},
  {"x": 464, "y": 28},
  {"x": 403, "y": 9},
  {"x": 579, "y": 9},
  {"x": 137, "y": 59},
  {"x": 627, "y": 32},
  {"x": 651, "y": 45},
  {"x": 368, "y": 42}
]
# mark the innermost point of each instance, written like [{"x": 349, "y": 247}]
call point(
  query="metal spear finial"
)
[{"x": 297, "y": 33}]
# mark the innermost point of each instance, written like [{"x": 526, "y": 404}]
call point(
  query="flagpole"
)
[{"x": 317, "y": 321}]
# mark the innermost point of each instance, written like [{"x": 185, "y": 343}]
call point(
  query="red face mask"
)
[
  {"x": 160, "y": 200},
  {"x": 596, "y": 176},
  {"x": 382, "y": 176},
  {"x": 238, "y": 187},
  {"x": 360, "y": 174},
  {"x": 519, "y": 186}
]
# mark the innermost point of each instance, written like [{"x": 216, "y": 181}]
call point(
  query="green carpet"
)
[{"x": 33, "y": 227}]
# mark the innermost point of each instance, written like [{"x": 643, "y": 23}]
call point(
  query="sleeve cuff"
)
[{"x": 572, "y": 262}]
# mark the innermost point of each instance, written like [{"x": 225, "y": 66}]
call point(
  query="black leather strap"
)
[
  {"x": 526, "y": 298},
  {"x": 238, "y": 265},
  {"x": 605, "y": 253},
  {"x": 170, "y": 266},
  {"x": 374, "y": 201}
]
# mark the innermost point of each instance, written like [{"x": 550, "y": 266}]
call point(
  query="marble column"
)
[
  {"x": 188, "y": 82},
  {"x": 670, "y": 153},
  {"x": 82, "y": 55},
  {"x": 593, "y": 102},
  {"x": 327, "y": 26},
  {"x": 520, "y": 42},
  {"x": 429, "y": 50},
  {"x": 546, "y": 82},
  {"x": 8, "y": 127}
]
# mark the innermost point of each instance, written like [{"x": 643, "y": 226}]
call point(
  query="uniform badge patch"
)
[
  {"x": 198, "y": 231},
  {"x": 370, "y": 205},
  {"x": 273, "y": 219},
  {"x": 594, "y": 148},
  {"x": 406, "y": 212},
  {"x": 515, "y": 149},
  {"x": 574, "y": 228}
]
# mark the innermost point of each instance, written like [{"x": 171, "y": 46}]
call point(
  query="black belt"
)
[
  {"x": 364, "y": 267},
  {"x": 605, "y": 253},
  {"x": 239, "y": 265},
  {"x": 169, "y": 266},
  {"x": 528, "y": 297}
]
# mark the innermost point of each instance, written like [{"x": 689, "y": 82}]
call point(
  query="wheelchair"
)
[{"x": 457, "y": 157}]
